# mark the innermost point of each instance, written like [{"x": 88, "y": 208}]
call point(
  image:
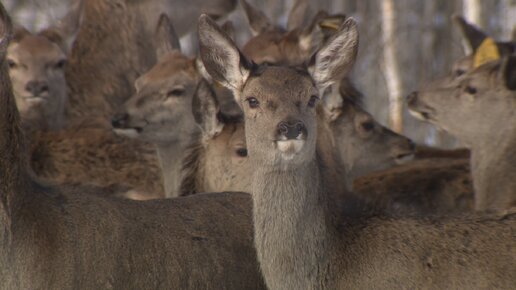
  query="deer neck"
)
[
  {"x": 13, "y": 157},
  {"x": 493, "y": 166},
  {"x": 170, "y": 157},
  {"x": 291, "y": 226}
]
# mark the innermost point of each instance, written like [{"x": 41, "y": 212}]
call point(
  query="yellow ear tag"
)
[
  {"x": 332, "y": 24},
  {"x": 486, "y": 52}
]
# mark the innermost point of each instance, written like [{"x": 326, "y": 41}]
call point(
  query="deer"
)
[
  {"x": 454, "y": 106},
  {"x": 302, "y": 242},
  {"x": 160, "y": 111},
  {"x": 36, "y": 67},
  {"x": 65, "y": 238},
  {"x": 117, "y": 36}
]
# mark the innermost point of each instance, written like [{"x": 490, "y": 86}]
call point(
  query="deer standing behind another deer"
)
[{"x": 301, "y": 242}]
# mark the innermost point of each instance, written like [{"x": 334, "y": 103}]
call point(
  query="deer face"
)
[
  {"x": 279, "y": 105},
  {"x": 160, "y": 111},
  {"x": 36, "y": 68},
  {"x": 278, "y": 102},
  {"x": 476, "y": 105}
]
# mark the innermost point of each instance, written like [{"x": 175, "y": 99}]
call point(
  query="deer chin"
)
[
  {"x": 289, "y": 148},
  {"x": 422, "y": 115},
  {"x": 128, "y": 132},
  {"x": 404, "y": 158}
]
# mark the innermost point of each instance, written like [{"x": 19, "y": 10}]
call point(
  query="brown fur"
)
[
  {"x": 428, "y": 186},
  {"x": 96, "y": 155},
  {"x": 62, "y": 238}
]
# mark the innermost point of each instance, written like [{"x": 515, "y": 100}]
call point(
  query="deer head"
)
[
  {"x": 278, "y": 102},
  {"x": 163, "y": 96}
]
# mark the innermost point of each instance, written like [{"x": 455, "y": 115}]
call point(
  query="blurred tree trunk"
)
[{"x": 391, "y": 66}]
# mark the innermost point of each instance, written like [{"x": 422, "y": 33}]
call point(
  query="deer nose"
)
[
  {"x": 412, "y": 99},
  {"x": 36, "y": 88},
  {"x": 291, "y": 129},
  {"x": 119, "y": 120}
]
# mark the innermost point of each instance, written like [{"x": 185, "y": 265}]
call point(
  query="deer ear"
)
[
  {"x": 473, "y": 35},
  {"x": 258, "y": 21},
  {"x": 229, "y": 29},
  {"x": 63, "y": 33},
  {"x": 486, "y": 52},
  {"x": 332, "y": 103},
  {"x": 336, "y": 57},
  {"x": 6, "y": 31},
  {"x": 221, "y": 57},
  {"x": 508, "y": 72},
  {"x": 165, "y": 37},
  {"x": 205, "y": 109},
  {"x": 297, "y": 15}
]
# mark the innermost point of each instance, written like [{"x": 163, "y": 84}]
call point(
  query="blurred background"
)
[{"x": 403, "y": 44}]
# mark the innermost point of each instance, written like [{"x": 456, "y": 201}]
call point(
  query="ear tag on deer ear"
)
[
  {"x": 486, "y": 52},
  {"x": 332, "y": 24}
]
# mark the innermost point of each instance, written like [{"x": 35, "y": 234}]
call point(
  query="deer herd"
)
[{"x": 126, "y": 164}]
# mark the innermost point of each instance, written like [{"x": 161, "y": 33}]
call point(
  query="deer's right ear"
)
[
  {"x": 508, "y": 72},
  {"x": 165, "y": 37},
  {"x": 63, "y": 33},
  {"x": 6, "y": 31},
  {"x": 258, "y": 21},
  {"x": 205, "y": 109},
  {"x": 473, "y": 35},
  {"x": 337, "y": 56},
  {"x": 221, "y": 57}
]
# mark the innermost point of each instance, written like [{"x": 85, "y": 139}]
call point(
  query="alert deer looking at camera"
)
[
  {"x": 65, "y": 238},
  {"x": 478, "y": 109},
  {"x": 301, "y": 243},
  {"x": 36, "y": 67}
]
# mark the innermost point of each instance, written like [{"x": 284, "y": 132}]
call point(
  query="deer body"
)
[{"x": 302, "y": 241}]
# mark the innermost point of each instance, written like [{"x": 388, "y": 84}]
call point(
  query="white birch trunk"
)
[{"x": 391, "y": 66}]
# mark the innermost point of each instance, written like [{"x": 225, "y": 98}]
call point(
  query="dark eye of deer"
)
[
  {"x": 368, "y": 126},
  {"x": 253, "y": 102},
  {"x": 242, "y": 152},
  {"x": 471, "y": 90},
  {"x": 60, "y": 64},
  {"x": 312, "y": 101},
  {"x": 11, "y": 63},
  {"x": 175, "y": 93}
]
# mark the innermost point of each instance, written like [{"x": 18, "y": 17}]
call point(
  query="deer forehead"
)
[
  {"x": 279, "y": 84},
  {"x": 35, "y": 48}
]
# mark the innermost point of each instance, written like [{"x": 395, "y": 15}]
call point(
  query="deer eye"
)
[
  {"x": 471, "y": 90},
  {"x": 177, "y": 92},
  {"x": 242, "y": 152},
  {"x": 368, "y": 126},
  {"x": 459, "y": 72},
  {"x": 60, "y": 64},
  {"x": 313, "y": 100},
  {"x": 253, "y": 102},
  {"x": 11, "y": 63}
]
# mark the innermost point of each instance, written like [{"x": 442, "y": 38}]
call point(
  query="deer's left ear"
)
[
  {"x": 165, "y": 37},
  {"x": 337, "y": 56},
  {"x": 63, "y": 33},
  {"x": 205, "y": 109}
]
